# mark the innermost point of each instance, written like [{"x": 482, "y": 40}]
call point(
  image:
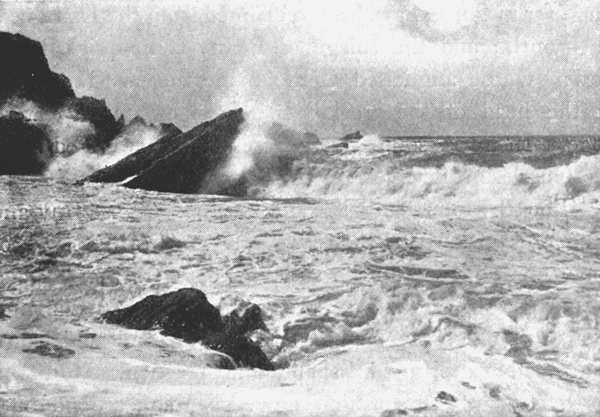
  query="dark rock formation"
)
[
  {"x": 245, "y": 318},
  {"x": 140, "y": 160},
  {"x": 95, "y": 111},
  {"x": 352, "y": 136},
  {"x": 186, "y": 314},
  {"x": 177, "y": 162},
  {"x": 284, "y": 136},
  {"x": 445, "y": 397},
  {"x": 25, "y": 76},
  {"x": 180, "y": 163},
  {"x": 396, "y": 412},
  {"x": 187, "y": 168},
  {"x": 50, "y": 350},
  {"x": 25, "y": 73},
  {"x": 25, "y": 149},
  {"x": 339, "y": 145}
]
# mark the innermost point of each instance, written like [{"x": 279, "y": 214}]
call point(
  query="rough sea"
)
[{"x": 398, "y": 276}]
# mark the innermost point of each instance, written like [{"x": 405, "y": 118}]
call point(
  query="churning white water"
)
[{"x": 389, "y": 288}]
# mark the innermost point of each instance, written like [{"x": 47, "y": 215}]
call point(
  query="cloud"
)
[{"x": 394, "y": 66}]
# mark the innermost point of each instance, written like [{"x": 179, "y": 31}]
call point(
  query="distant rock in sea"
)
[
  {"x": 339, "y": 145},
  {"x": 25, "y": 149},
  {"x": 186, "y": 314},
  {"x": 283, "y": 135},
  {"x": 352, "y": 137},
  {"x": 180, "y": 163}
]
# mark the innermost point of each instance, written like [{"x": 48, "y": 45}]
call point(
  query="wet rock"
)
[
  {"x": 240, "y": 348},
  {"x": 397, "y": 412},
  {"x": 179, "y": 163},
  {"x": 244, "y": 319},
  {"x": 186, "y": 314},
  {"x": 167, "y": 242},
  {"x": 30, "y": 335},
  {"x": 340, "y": 145},
  {"x": 96, "y": 112},
  {"x": 50, "y": 350},
  {"x": 445, "y": 397},
  {"x": 25, "y": 73},
  {"x": 352, "y": 137},
  {"x": 25, "y": 149},
  {"x": 142, "y": 159},
  {"x": 494, "y": 391}
]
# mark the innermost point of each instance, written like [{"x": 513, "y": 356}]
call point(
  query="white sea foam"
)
[
  {"x": 386, "y": 181},
  {"x": 83, "y": 162}
]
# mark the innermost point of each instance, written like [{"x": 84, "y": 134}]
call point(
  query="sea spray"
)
[
  {"x": 84, "y": 162},
  {"x": 66, "y": 129},
  {"x": 388, "y": 180}
]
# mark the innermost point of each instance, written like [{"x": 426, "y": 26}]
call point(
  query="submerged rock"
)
[
  {"x": 186, "y": 314},
  {"x": 25, "y": 149},
  {"x": 25, "y": 73},
  {"x": 50, "y": 350},
  {"x": 26, "y": 80},
  {"x": 445, "y": 397},
  {"x": 339, "y": 145}
]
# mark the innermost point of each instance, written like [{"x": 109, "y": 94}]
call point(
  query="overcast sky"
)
[{"x": 399, "y": 67}]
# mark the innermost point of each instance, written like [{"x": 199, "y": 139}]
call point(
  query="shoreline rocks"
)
[
  {"x": 25, "y": 149},
  {"x": 186, "y": 314},
  {"x": 25, "y": 73},
  {"x": 27, "y": 84}
]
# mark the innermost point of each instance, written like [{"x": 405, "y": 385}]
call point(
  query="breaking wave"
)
[{"x": 387, "y": 180}]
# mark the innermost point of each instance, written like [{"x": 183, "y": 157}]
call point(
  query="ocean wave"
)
[{"x": 387, "y": 180}]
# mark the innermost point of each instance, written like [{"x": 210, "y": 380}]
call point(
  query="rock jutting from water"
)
[
  {"x": 180, "y": 163},
  {"x": 25, "y": 149},
  {"x": 27, "y": 82},
  {"x": 186, "y": 314},
  {"x": 354, "y": 136},
  {"x": 282, "y": 134},
  {"x": 141, "y": 159}
]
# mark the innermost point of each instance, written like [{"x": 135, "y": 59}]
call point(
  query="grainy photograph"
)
[{"x": 314, "y": 208}]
